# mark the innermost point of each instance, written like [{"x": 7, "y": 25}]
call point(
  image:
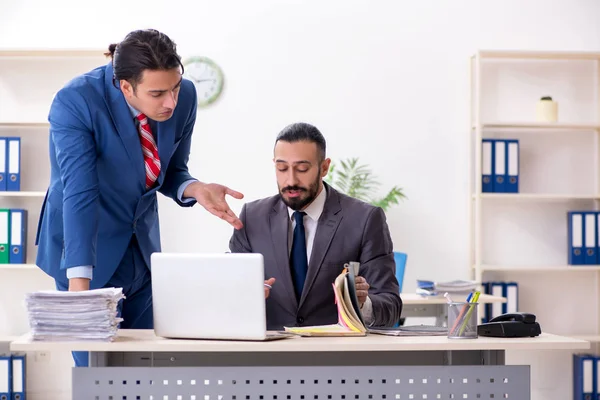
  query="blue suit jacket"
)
[{"x": 97, "y": 197}]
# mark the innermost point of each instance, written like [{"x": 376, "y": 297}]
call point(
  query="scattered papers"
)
[{"x": 66, "y": 316}]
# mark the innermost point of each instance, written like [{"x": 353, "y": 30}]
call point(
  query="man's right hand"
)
[
  {"x": 269, "y": 282},
  {"x": 79, "y": 284}
]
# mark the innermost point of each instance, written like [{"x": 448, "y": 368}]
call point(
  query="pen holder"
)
[{"x": 462, "y": 320}]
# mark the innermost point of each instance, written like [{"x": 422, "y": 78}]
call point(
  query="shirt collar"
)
[
  {"x": 134, "y": 112},
  {"x": 314, "y": 209}
]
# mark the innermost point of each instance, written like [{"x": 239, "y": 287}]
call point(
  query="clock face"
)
[{"x": 207, "y": 76}]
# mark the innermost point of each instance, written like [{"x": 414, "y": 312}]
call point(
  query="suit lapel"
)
[
  {"x": 125, "y": 125},
  {"x": 279, "y": 223},
  {"x": 326, "y": 228}
]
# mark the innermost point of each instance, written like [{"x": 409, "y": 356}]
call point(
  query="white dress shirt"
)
[{"x": 311, "y": 219}]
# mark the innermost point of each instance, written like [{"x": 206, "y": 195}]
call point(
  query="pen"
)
[
  {"x": 464, "y": 325},
  {"x": 461, "y": 314},
  {"x": 268, "y": 286},
  {"x": 448, "y": 298}
]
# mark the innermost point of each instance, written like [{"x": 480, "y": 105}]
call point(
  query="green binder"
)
[{"x": 4, "y": 235}]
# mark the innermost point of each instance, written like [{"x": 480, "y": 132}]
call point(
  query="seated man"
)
[{"x": 308, "y": 232}]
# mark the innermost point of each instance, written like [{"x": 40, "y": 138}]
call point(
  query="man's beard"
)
[{"x": 298, "y": 203}]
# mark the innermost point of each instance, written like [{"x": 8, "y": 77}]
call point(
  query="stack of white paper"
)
[
  {"x": 431, "y": 288},
  {"x": 86, "y": 315}
]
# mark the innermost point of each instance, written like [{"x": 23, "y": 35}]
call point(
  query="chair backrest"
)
[{"x": 400, "y": 259}]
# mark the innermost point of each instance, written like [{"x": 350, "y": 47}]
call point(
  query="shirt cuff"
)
[
  {"x": 182, "y": 188},
  {"x": 367, "y": 311},
  {"x": 85, "y": 271}
]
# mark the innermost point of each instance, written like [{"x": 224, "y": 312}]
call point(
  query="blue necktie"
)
[{"x": 298, "y": 257}]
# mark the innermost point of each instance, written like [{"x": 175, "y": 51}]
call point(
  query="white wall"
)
[{"x": 386, "y": 81}]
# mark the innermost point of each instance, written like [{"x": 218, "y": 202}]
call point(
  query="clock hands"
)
[{"x": 192, "y": 77}]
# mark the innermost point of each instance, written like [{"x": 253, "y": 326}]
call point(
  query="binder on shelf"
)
[
  {"x": 512, "y": 166},
  {"x": 5, "y": 377},
  {"x": 589, "y": 238},
  {"x": 597, "y": 221},
  {"x": 4, "y": 235},
  {"x": 508, "y": 290},
  {"x": 497, "y": 289},
  {"x": 3, "y": 163},
  {"x": 18, "y": 236},
  {"x": 575, "y": 237},
  {"x": 487, "y": 166},
  {"x": 585, "y": 385},
  {"x": 18, "y": 376},
  {"x": 511, "y": 292},
  {"x": 14, "y": 164},
  {"x": 487, "y": 308},
  {"x": 596, "y": 379},
  {"x": 500, "y": 184}
]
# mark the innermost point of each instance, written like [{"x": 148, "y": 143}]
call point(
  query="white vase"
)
[{"x": 546, "y": 111}]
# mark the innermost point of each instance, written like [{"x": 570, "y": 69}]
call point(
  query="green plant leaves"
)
[{"x": 358, "y": 181}]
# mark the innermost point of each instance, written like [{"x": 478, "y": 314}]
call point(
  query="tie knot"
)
[
  {"x": 142, "y": 118},
  {"x": 299, "y": 217}
]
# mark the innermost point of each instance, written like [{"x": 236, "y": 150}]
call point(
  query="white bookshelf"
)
[
  {"x": 29, "y": 79},
  {"x": 523, "y": 237}
]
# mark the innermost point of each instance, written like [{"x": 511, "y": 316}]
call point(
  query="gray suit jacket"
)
[{"x": 348, "y": 230}]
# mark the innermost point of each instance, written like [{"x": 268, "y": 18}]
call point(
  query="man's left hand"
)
[
  {"x": 211, "y": 196},
  {"x": 362, "y": 289}
]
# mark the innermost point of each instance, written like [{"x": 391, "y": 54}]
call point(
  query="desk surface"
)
[
  {"x": 413, "y": 298},
  {"x": 146, "y": 341}
]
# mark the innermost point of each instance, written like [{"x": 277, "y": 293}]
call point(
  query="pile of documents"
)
[
  {"x": 87, "y": 315},
  {"x": 431, "y": 288}
]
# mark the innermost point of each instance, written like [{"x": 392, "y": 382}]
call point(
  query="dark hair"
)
[
  {"x": 301, "y": 131},
  {"x": 141, "y": 50}
]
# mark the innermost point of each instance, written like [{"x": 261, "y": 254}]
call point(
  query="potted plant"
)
[{"x": 358, "y": 181}]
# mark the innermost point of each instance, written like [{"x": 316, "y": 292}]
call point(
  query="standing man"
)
[
  {"x": 118, "y": 135},
  {"x": 308, "y": 231}
]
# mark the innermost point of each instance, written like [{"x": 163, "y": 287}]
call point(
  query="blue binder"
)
[
  {"x": 5, "y": 377},
  {"x": 14, "y": 164},
  {"x": 575, "y": 223},
  {"x": 511, "y": 292},
  {"x": 497, "y": 288},
  {"x": 3, "y": 163},
  {"x": 512, "y": 166},
  {"x": 584, "y": 377},
  {"x": 18, "y": 236},
  {"x": 487, "y": 165},
  {"x": 597, "y": 220},
  {"x": 590, "y": 230},
  {"x": 18, "y": 376},
  {"x": 487, "y": 308},
  {"x": 500, "y": 173}
]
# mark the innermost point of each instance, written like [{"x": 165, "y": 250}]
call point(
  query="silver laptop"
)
[{"x": 209, "y": 296}]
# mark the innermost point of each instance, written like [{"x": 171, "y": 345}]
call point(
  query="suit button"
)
[
  {"x": 300, "y": 320},
  {"x": 134, "y": 223}
]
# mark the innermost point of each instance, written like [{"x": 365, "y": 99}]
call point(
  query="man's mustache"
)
[{"x": 296, "y": 188}]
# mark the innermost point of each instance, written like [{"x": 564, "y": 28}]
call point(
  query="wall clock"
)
[{"x": 207, "y": 76}]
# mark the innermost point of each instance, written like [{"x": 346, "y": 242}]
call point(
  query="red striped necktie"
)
[{"x": 149, "y": 150}]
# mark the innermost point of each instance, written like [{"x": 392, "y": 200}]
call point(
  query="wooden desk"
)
[
  {"x": 139, "y": 365},
  {"x": 416, "y": 305}
]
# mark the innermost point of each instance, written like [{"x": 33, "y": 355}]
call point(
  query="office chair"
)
[{"x": 400, "y": 259}]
